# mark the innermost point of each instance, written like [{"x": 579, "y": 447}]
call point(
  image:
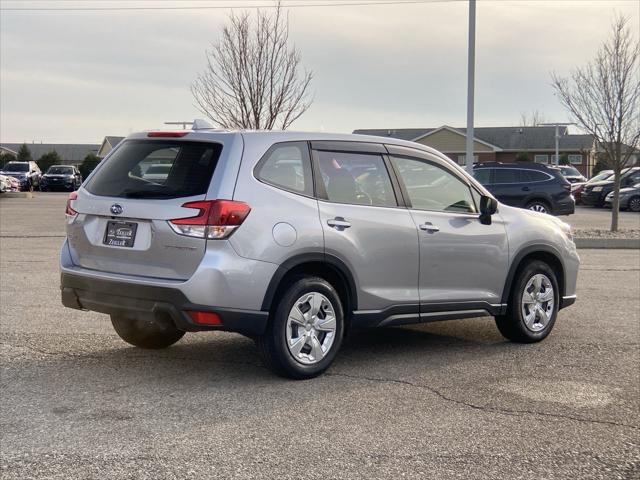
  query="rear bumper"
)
[
  {"x": 565, "y": 208},
  {"x": 123, "y": 298}
]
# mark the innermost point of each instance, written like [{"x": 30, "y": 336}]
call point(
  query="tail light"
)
[
  {"x": 216, "y": 219},
  {"x": 204, "y": 318},
  {"x": 70, "y": 211}
]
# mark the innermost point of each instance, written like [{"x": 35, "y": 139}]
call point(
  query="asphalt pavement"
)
[{"x": 443, "y": 400}]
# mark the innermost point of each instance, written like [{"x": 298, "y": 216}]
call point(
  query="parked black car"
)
[
  {"x": 527, "y": 185},
  {"x": 629, "y": 198},
  {"x": 595, "y": 193},
  {"x": 572, "y": 174},
  {"x": 64, "y": 177},
  {"x": 27, "y": 173}
]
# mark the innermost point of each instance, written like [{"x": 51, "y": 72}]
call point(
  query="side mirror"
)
[{"x": 488, "y": 206}]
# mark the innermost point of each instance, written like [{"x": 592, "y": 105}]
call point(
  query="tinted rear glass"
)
[
  {"x": 16, "y": 167},
  {"x": 535, "y": 176},
  {"x": 188, "y": 168},
  {"x": 506, "y": 175},
  {"x": 60, "y": 170}
]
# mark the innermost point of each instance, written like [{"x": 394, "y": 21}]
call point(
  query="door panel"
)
[
  {"x": 461, "y": 260},
  {"x": 364, "y": 227},
  {"x": 380, "y": 247}
]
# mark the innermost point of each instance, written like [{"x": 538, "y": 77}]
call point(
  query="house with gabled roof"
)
[
  {"x": 501, "y": 144},
  {"x": 108, "y": 144}
]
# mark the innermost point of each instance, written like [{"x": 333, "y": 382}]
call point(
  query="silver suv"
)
[{"x": 295, "y": 239}]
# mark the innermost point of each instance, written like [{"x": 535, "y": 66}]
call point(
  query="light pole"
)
[
  {"x": 471, "y": 64},
  {"x": 557, "y": 125}
]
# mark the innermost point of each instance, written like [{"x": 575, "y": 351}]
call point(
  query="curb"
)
[
  {"x": 619, "y": 243},
  {"x": 17, "y": 195}
]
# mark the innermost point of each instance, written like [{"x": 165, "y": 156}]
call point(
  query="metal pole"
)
[
  {"x": 471, "y": 63},
  {"x": 557, "y": 160}
]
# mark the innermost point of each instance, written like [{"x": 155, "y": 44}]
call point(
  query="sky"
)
[{"x": 76, "y": 76}]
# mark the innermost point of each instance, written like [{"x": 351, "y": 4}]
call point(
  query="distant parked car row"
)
[
  {"x": 27, "y": 176},
  {"x": 598, "y": 191}
]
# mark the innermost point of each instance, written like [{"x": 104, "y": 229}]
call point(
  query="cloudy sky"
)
[{"x": 76, "y": 76}]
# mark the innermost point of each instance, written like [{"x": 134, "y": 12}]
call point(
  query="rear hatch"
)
[{"x": 122, "y": 217}]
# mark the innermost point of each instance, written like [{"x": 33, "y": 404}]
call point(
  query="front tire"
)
[
  {"x": 539, "y": 206},
  {"x": 533, "y": 304},
  {"x": 146, "y": 332},
  {"x": 634, "y": 204},
  {"x": 305, "y": 331}
]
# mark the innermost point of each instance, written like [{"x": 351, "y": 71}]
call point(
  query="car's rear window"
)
[
  {"x": 186, "y": 170},
  {"x": 60, "y": 170}
]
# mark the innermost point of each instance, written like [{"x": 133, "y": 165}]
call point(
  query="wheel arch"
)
[
  {"x": 546, "y": 253},
  {"x": 326, "y": 266},
  {"x": 541, "y": 198}
]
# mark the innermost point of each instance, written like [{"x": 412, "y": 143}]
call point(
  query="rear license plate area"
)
[{"x": 120, "y": 234}]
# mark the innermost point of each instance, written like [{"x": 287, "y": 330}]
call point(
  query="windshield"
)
[
  {"x": 16, "y": 167},
  {"x": 186, "y": 170},
  {"x": 602, "y": 176},
  {"x": 56, "y": 170},
  {"x": 570, "y": 171}
]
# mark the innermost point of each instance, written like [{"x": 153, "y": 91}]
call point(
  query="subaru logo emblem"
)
[{"x": 116, "y": 209}]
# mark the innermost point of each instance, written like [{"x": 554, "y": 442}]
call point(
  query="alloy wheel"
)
[
  {"x": 538, "y": 302},
  {"x": 311, "y": 328},
  {"x": 538, "y": 207}
]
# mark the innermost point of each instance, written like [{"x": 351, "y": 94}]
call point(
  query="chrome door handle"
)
[
  {"x": 429, "y": 227},
  {"x": 338, "y": 223}
]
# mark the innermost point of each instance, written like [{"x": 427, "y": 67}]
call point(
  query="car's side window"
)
[
  {"x": 506, "y": 175},
  {"x": 356, "y": 178},
  {"x": 535, "y": 176},
  {"x": 483, "y": 175},
  {"x": 288, "y": 166},
  {"x": 431, "y": 187}
]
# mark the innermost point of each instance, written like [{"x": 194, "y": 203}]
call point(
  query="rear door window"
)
[
  {"x": 184, "y": 170},
  {"x": 505, "y": 175},
  {"x": 356, "y": 178}
]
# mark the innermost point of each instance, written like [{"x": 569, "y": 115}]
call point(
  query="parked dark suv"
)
[
  {"x": 595, "y": 193},
  {"x": 65, "y": 177},
  {"x": 527, "y": 185}
]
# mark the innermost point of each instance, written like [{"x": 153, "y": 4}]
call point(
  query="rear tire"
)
[
  {"x": 305, "y": 330},
  {"x": 529, "y": 317},
  {"x": 539, "y": 206},
  {"x": 146, "y": 333}
]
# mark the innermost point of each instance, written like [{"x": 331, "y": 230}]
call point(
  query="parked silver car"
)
[{"x": 295, "y": 239}]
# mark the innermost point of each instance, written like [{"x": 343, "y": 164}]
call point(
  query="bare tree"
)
[
  {"x": 604, "y": 99},
  {"x": 253, "y": 77},
  {"x": 531, "y": 120}
]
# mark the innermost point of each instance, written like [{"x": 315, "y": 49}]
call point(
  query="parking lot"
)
[{"x": 443, "y": 400}]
